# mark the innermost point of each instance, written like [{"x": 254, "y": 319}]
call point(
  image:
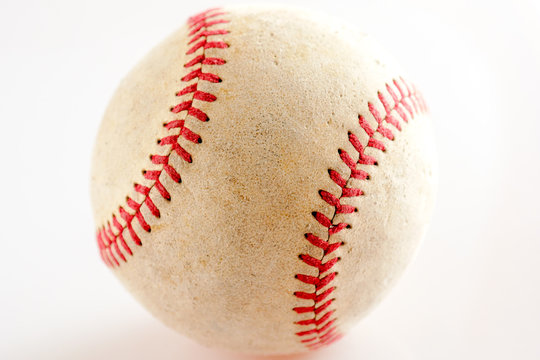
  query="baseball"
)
[{"x": 262, "y": 178}]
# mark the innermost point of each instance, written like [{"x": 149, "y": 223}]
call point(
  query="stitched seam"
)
[
  {"x": 110, "y": 236},
  {"x": 321, "y": 329}
]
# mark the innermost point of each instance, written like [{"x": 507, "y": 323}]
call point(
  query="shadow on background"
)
[
  {"x": 141, "y": 341},
  {"x": 152, "y": 340}
]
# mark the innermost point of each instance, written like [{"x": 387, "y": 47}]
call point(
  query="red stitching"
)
[
  {"x": 321, "y": 328},
  {"x": 201, "y": 76},
  {"x": 108, "y": 238}
]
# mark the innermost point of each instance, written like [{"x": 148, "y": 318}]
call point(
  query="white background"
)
[{"x": 473, "y": 291}]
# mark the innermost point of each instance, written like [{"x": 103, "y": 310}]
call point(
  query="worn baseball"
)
[{"x": 262, "y": 178}]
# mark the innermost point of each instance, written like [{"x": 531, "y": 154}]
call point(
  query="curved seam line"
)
[
  {"x": 325, "y": 329},
  {"x": 199, "y": 25}
]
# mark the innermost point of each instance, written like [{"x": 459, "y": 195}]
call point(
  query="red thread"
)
[
  {"x": 205, "y": 61},
  {"x": 207, "y": 45},
  {"x": 208, "y": 33},
  {"x": 201, "y": 76},
  {"x": 112, "y": 238},
  {"x": 198, "y": 114},
  {"x": 188, "y": 89},
  {"x": 120, "y": 236},
  {"x": 198, "y": 26},
  {"x": 321, "y": 328},
  {"x": 203, "y": 96}
]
